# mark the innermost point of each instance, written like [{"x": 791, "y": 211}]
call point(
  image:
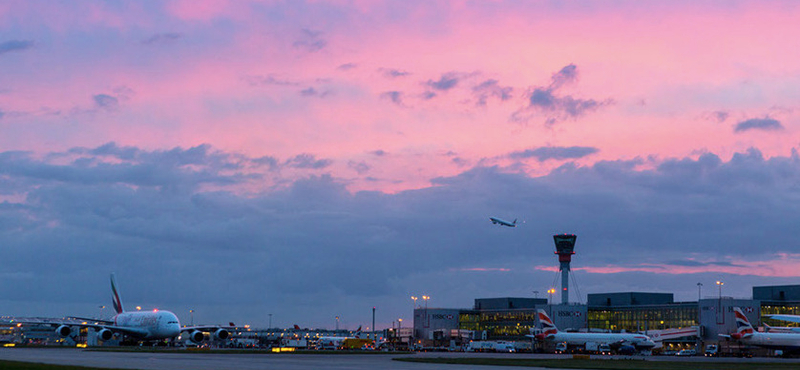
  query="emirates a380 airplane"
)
[{"x": 142, "y": 325}]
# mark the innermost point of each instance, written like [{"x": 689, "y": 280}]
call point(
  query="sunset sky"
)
[{"x": 314, "y": 159}]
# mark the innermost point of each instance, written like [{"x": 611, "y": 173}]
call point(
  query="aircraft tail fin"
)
[
  {"x": 296, "y": 327},
  {"x": 115, "y": 296},
  {"x": 744, "y": 329},
  {"x": 358, "y": 331},
  {"x": 515, "y": 222},
  {"x": 548, "y": 327}
]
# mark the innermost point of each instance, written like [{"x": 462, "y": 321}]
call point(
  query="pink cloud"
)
[
  {"x": 783, "y": 265},
  {"x": 206, "y": 10},
  {"x": 484, "y": 269}
]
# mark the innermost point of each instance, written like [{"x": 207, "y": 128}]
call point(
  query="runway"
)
[
  {"x": 202, "y": 361},
  {"x": 265, "y": 361}
]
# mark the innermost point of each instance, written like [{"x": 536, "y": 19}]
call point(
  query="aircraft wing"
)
[
  {"x": 205, "y": 328},
  {"x": 135, "y": 332},
  {"x": 790, "y": 318},
  {"x": 89, "y": 319}
]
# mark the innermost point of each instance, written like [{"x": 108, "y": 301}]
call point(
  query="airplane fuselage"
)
[
  {"x": 156, "y": 324},
  {"x": 496, "y": 221},
  {"x": 786, "y": 341},
  {"x": 580, "y": 339}
]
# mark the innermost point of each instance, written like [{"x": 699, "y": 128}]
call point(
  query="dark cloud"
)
[
  {"x": 548, "y": 102},
  {"x": 2, "y": 114},
  {"x": 693, "y": 263},
  {"x": 446, "y": 82},
  {"x": 378, "y": 153},
  {"x": 566, "y": 75},
  {"x": 721, "y": 116},
  {"x": 269, "y": 80},
  {"x": 310, "y": 41},
  {"x": 461, "y": 162},
  {"x": 269, "y": 161},
  {"x": 308, "y": 161},
  {"x": 428, "y": 95},
  {"x": 554, "y": 152},
  {"x": 491, "y": 88},
  {"x": 395, "y": 96},
  {"x": 393, "y": 73},
  {"x": 306, "y": 245},
  {"x": 172, "y": 169},
  {"x": 347, "y": 66},
  {"x": 162, "y": 38},
  {"x": 310, "y": 91},
  {"x": 762, "y": 124},
  {"x": 105, "y": 101},
  {"x": 360, "y": 167},
  {"x": 15, "y": 45}
]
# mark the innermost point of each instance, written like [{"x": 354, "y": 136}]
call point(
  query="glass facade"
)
[
  {"x": 768, "y": 308},
  {"x": 501, "y": 324},
  {"x": 645, "y": 317}
]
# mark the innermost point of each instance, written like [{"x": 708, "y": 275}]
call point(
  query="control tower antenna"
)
[{"x": 565, "y": 244}]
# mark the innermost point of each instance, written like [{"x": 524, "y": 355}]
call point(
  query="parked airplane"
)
[
  {"x": 335, "y": 342},
  {"x": 746, "y": 334},
  {"x": 549, "y": 332},
  {"x": 496, "y": 221},
  {"x": 141, "y": 325},
  {"x": 790, "y": 318},
  {"x": 781, "y": 329}
]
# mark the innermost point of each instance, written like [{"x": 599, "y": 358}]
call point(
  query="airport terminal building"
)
[{"x": 513, "y": 318}]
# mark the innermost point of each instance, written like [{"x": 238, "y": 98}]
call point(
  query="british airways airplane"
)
[
  {"x": 549, "y": 332},
  {"x": 496, "y": 221},
  {"x": 142, "y": 325},
  {"x": 747, "y": 335}
]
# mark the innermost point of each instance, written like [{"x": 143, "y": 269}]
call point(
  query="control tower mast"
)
[{"x": 565, "y": 244}]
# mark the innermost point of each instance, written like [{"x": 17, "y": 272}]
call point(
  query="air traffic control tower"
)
[{"x": 565, "y": 244}]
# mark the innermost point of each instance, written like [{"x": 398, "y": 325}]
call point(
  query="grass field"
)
[
  {"x": 607, "y": 364},
  {"x": 239, "y": 351},
  {"x": 14, "y": 365}
]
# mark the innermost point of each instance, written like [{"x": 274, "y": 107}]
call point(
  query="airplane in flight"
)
[
  {"x": 140, "y": 325},
  {"x": 640, "y": 342},
  {"x": 496, "y": 221},
  {"x": 747, "y": 335}
]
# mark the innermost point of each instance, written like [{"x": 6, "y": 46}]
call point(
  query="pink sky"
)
[
  {"x": 471, "y": 104},
  {"x": 663, "y": 69}
]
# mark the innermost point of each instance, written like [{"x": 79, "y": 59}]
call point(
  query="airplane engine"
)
[
  {"x": 64, "y": 330},
  {"x": 221, "y": 334},
  {"x": 196, "y": 336},
  {"x": 105, "y": 334}
]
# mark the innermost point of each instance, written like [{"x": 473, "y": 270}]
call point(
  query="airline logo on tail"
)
[
  {"x": 548, "y": 327},
  {"x": 115, "y": 296},
  {"x": 744, "y": 329}
]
